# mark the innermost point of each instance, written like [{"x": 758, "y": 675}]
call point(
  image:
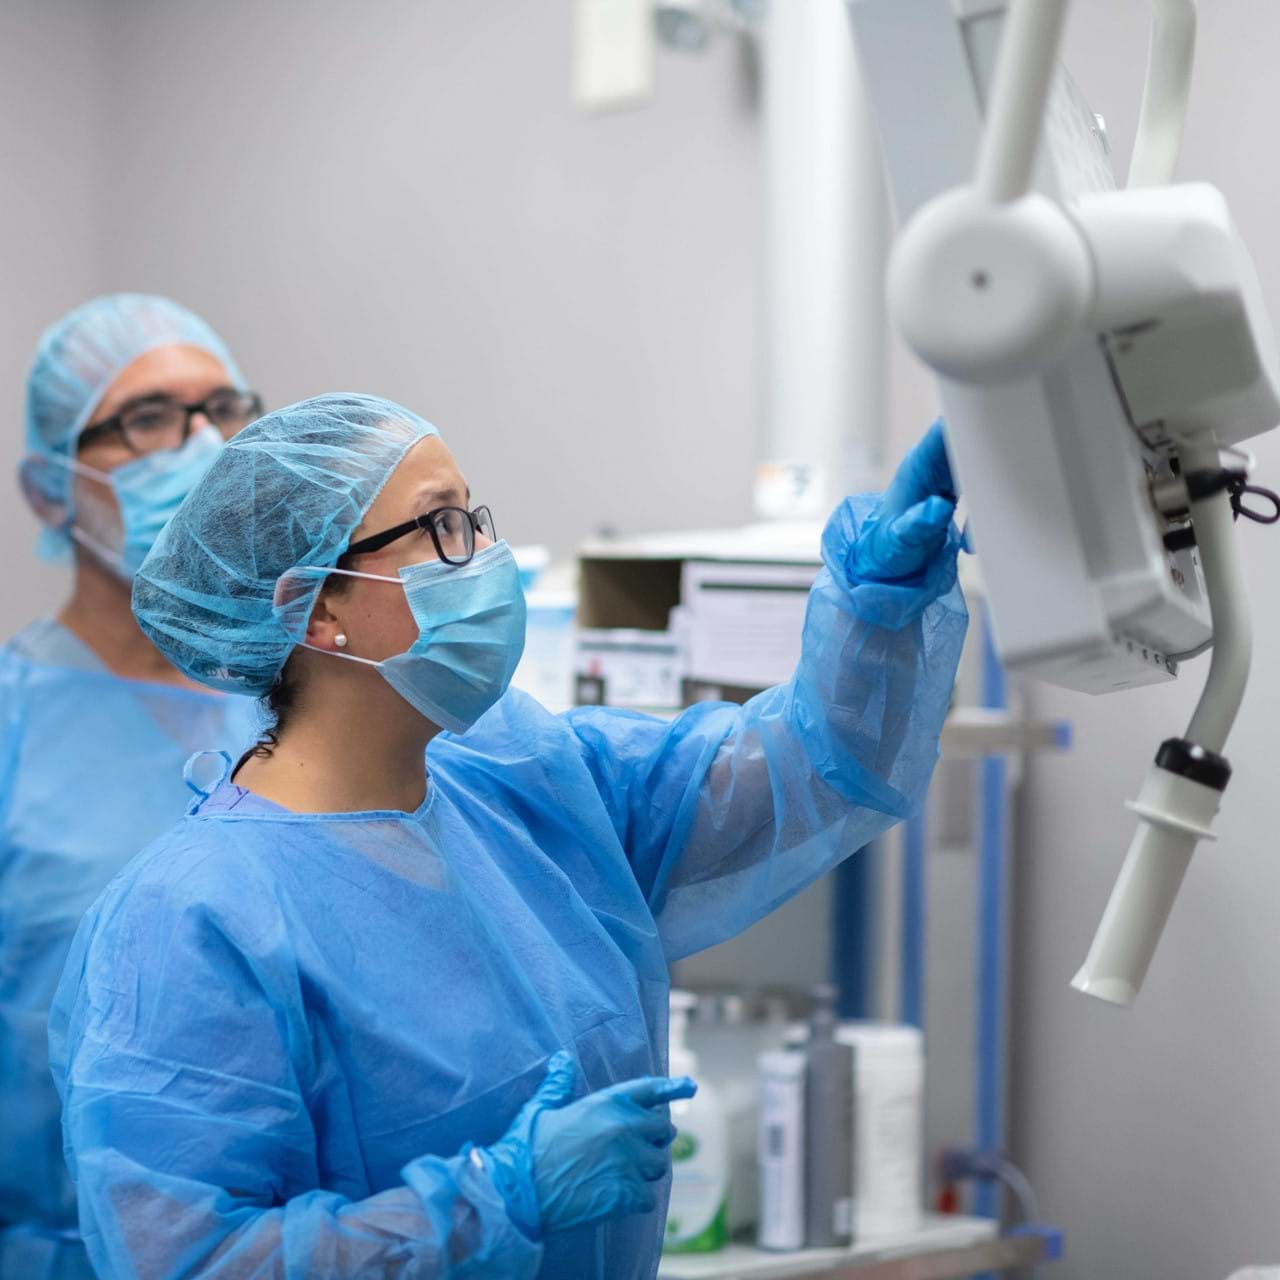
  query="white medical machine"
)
[{"x": 1101, "y": 355}]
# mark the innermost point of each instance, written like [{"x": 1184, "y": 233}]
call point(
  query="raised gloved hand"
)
[
  {"x": 910, "y": 524},
  {"x": 562, "y": 1163}
]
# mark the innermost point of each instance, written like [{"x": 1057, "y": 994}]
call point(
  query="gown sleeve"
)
[
  {"x": 31, "y": 1176},
  {"x": 728, "y": 811},
  {"x": 183, "y": 1061}
]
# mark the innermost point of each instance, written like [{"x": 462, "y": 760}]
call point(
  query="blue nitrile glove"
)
[
  {"x": 910, "y": 525},
  {"x": 562, "y": 1164}
]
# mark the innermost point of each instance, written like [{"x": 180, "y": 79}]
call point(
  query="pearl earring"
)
[{"x": 340, "y": 640}]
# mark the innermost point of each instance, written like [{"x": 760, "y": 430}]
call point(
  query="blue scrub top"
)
[
  {"x": 90, "y": 771},
  {"x": 277, "y": 1032}
]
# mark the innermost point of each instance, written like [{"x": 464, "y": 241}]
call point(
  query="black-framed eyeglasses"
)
[
  {"x": 161, "y": 422},
  {"x": 452, "y": 529}
]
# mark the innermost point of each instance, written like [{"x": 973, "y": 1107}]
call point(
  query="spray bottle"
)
[{"x": 697, "y": 1221}]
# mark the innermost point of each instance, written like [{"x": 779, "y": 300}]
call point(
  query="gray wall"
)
[
  {"x": 397, "y": 196},
  {"x": 54, "y": 139}
]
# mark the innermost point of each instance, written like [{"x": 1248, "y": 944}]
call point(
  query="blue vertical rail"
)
[
  {"x": 855, "y": 932},
  {"x": 914, "y": 849},
  {"x": 993, "y": 867}
]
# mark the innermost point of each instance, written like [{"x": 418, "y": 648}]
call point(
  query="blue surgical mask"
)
[
  {"x": 471, "y": 625},
  {"x": 148, "y": 491}
]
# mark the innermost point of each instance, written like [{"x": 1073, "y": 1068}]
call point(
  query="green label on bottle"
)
[
  {"x": 685, "y": 1147},
  {"x": 710, "y": 1240}
]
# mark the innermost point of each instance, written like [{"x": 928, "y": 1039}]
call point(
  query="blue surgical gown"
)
[
  {"x": 90, "y": 771},
  {"x": 277, "y": 1032}
]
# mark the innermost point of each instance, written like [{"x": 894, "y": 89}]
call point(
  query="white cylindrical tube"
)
[
  {"x": 826, "y": 226},
  {"x": 1168, "y": 89},
  {"x": 1176, "y": 809},
  {"x": 1228, "y": 606},
  {"x": 1175, "y": 814},
  {"x": 782, "y": 1204},
  {"x": 1025, "y": 68}
]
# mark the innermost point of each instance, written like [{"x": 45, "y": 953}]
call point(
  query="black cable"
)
[
  {"x": 1204, "y": 484},
  {"x": 1238, "y": 489}
]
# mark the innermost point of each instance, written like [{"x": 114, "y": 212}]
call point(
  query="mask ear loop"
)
[
  {"x": 105, "y": 555},
  {"x": 314, "y": 571},
  {"x": 333, "y": 653},
  {"x": 112, "y": 560},
  {"x": 58, "y": 514}
]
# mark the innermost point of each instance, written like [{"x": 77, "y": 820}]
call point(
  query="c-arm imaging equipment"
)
[{"x": 1100, "y": 356}]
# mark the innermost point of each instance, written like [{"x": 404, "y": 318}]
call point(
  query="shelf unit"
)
[{"x": 945, "y": 1248}]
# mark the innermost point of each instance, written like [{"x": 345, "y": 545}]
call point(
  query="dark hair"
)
[
  {"x": 280, "y": 701},
  {"x": 277, "y": 702}
]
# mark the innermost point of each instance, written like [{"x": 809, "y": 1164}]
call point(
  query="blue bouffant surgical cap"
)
[
  {"x": 287, "y": 492},
  {"x": 78, "y": 358}
]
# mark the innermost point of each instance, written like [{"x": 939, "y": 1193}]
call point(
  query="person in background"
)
[
  {"x": 128, "y": 403},
  {"x": 354, "y": 1016}
]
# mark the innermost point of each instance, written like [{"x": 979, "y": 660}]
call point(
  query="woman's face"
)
[{"x": 375, "y": 616}]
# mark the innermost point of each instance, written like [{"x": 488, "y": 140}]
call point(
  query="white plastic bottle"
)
[
  {"x": 782, "y": 1154},
  {"x": 889, "y": 1081},
  {"x": 697, "y": 1220}
]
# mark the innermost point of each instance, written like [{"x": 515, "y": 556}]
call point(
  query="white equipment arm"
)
[
  {"x": 1079, "y": 337},
  {"x": 1184, "y": 786},
  {"x": 1028, "y": 59},
  {"x": 1167, "y": 93}
]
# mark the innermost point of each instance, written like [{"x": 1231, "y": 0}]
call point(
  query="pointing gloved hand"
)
[
  {"x": 910, "y": 525},
  {"x": 562, "y": 1163}
]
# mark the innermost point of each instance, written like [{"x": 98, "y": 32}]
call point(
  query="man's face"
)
[{"x": 185, "y": 375}]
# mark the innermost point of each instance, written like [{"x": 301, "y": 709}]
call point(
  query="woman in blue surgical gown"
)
[
  {"x": 127, "y": 403},
  {"x": 351, "y": 1017}
]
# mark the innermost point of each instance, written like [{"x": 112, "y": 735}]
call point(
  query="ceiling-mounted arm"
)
[
  {"x": 1167, "y": 93},
  {"x": 1024, "y": 77},
  {"x": 996, "y": 284},
  {"x": 991, "y": 282}
]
